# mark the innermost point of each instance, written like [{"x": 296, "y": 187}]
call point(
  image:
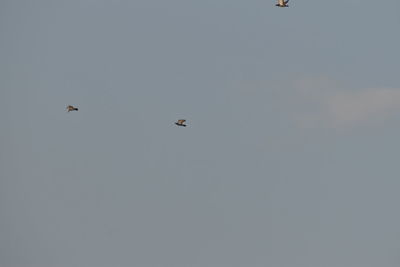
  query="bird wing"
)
[
  {"x": 181, "y": 121},
  {"x": 281, "y": 2},
  {"x": 286, "y": 2}
]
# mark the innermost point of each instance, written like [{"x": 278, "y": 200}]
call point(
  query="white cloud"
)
[
  {"x": 353, "y": 107},
  {"x": 315, "y": 102},
  {"x": 325, "y": 103}
]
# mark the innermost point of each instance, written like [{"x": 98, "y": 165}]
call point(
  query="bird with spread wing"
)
[
  {"x": 181, "y": 123},
  {"x": 282, "y": 3},
  {"x": 71, "y": 108}
]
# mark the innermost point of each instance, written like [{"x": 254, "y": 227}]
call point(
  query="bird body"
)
[
  {"x": 71, "y": 108},
  {"x": 181, "y": 123},
  {"x": 282, "y": 3}
]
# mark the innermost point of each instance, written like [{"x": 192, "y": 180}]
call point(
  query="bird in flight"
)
[
  {"x": 181, "y": 123},
  {"x": 282, "y": 3},
  {"x": 71, "y": 108}
]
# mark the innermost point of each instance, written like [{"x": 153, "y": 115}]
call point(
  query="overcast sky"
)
[{"x": 291, "y": 157}]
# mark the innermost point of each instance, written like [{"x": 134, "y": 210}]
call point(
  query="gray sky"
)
[{"x": 290, "y": 157}]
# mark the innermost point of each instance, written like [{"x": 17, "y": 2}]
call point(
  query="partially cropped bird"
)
[
  {"x": 181, "y": 123},
  {"x": 71, "y": 108},
  {"x": 282, "y": 3}
]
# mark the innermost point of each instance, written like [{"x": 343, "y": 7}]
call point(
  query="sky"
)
[{"x": 290, "y": 157}]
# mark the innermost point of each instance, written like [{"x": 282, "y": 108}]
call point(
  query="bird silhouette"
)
[
  {"x": 282, "y": 3},
  {"x": 71, "y": 108},
  {"x": 181, "y": 123}
]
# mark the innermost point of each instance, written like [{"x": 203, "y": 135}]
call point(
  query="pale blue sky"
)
[{"x": 290, "y": 157}]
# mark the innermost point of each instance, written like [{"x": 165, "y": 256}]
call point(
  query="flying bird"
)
[
  {"x": 282, "y": 3},
  {"x": 71, "y": 108},
  {"x": 181, "y": 123}
]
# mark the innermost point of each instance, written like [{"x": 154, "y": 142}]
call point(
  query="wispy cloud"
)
[
  {"x": 330, "y": 105},
  {"x": 370, "y": 104},
  {"x": 314, "y": 102}
]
